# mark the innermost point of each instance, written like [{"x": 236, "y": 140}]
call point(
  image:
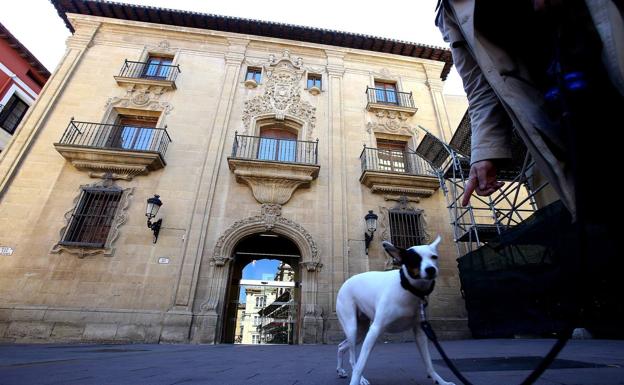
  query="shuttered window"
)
[
  {"x": 406, "y": 228},
  {"x": 92, "y": 218},
  {"x": 12, "y": 114}
]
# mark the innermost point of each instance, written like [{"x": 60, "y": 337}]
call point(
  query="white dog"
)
[{"x": 370, "y": 303}]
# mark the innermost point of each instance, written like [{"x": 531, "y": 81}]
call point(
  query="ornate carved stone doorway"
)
[
  {"x": 208, "y": 323},
  {"x": 263, "y": 299}
]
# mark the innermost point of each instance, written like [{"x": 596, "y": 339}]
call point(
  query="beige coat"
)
[{"x": 497, "y": 101}]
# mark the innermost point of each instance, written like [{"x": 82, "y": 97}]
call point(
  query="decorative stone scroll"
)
[
  {"x": 141, "y": 97},
  {"x": 282, "y": 95},
  {"x": 391, "y": 122},
  {"x": 270, "y": 219}
]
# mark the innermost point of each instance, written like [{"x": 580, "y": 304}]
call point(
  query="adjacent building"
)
[
  {"x": 260, "y": 140},
  {"x": 22, "y": 77}
]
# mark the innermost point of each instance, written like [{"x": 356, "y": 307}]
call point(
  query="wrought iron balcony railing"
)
[
  {"x": 390, "y": 97},
  {"x": 405, "y": 162},
  {"x": 116, "y": 137},
  {"x": 150, "y": 71},
  {"x": 276, "y": 150}
]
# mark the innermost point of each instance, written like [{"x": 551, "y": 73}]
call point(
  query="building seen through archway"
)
[{"x": 263, "y": 306}]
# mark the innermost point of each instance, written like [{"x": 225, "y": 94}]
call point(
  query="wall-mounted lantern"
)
[
  {"x": 371, "y": 227},
  {"x": 153, "y": 205}
]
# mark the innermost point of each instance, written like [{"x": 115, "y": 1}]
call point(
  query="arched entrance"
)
[
  {"x": 208, "y": 320},
  {"x": 263, "y": 296}
]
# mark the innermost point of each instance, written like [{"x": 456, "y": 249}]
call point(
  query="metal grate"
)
[
  {"x": 149, "y": 70},
  {"x": 405, "y": 228},
  {"x": 115, "y": 136},
  {"x": 432, "y": 150},
  {"x": 92, "y": 217},
  {"x": 276, "y": 150},
  {"x": 404, "y": 162},
  {"x": 390, "y": 97}
]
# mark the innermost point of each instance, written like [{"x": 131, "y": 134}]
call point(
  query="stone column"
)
[
  {"x": 337, "y": 266},
  {"x": 436, "y": 85},
  {"x": 206, "y": 323},
  {"x": 198, "y": 227},
  {"x": 312, "y": 313},
  {"x": 38, "y": 115}
]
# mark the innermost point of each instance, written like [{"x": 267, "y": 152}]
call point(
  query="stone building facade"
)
[{"x": 278, "y": 134}]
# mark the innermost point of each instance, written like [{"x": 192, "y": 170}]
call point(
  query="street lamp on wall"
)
[
  {"x": 153, "y": 205},
  {"x": 371, "y": 227}
]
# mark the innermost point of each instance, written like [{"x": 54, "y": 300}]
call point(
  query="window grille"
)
[
  {"x": 406, "y": 228},
  {"x": 92, "y": 218}
]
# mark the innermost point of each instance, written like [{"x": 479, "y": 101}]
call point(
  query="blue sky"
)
[{"x": 264, "y": 269}]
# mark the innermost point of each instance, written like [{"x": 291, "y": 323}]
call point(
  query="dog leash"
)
[{"x": 534, "y": 375}]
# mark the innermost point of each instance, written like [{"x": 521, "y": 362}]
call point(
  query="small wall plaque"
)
[
  {"x": 6, "y": 250},
  {"x": 163, "y": 261}
]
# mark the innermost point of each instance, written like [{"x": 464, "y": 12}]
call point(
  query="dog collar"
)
[{"x": 405, "y": 284}]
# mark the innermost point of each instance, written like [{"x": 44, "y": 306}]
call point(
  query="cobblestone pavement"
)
[{"x": 500, "y": 362}]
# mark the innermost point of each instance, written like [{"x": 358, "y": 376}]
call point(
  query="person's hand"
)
[{"x": 482, "y": 180}]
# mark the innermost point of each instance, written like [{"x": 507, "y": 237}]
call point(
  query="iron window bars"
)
[
  {"x": 92, "y": 217},
  {"x": 155, "y": 70},
  {"x": 114, "y": 136},
  {"x": 277, "y": 150},
  {"x": 389, "y": 96},
  {"x": 404, "y": 162},
  {"x": 405, "y": 228}
]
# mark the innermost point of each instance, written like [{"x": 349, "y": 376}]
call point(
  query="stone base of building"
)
[
  {"x": 445, "y": 329},
  {"x": 41, "y": 324}
]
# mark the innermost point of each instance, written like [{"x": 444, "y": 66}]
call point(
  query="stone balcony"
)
[
  {"x": 390, "y": 100},
  {"x": 119, "y": 151},
  {"x": 148, "y": 75},
  {"x": 274, "y": 168},
  {"x": 398, "y": 172}
]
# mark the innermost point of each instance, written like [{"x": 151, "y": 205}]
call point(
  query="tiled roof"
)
[
  {"x": 23, "y": 51},
  {"x": 252, "y": 27}
]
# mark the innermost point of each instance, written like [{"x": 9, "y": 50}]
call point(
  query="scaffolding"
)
[{"x": 485, "y": 218}]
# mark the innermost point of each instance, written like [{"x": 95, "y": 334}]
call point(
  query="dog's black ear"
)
[{"x": 395, "y": 252}]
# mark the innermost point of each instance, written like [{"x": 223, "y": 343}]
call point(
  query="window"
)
[
  {"x": 391, "y": 155},
  {"x": 314, "y": 80},
  {"x": 12, "y": 114},
  {"x": 256, "y": 320},
  {"x": 386, "y": 93},
  {"x": 133, "y": 133},
  {"x": 255, "y": 339},
  {"x": 92, "y": 217},
  {"x": 277, "y": 144},
  {"x": 261, "y": 301},
  {"x": 254, "y": 73},
  {"x": 405, "y": 228},
  {"x": 158, "y": 67}
]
